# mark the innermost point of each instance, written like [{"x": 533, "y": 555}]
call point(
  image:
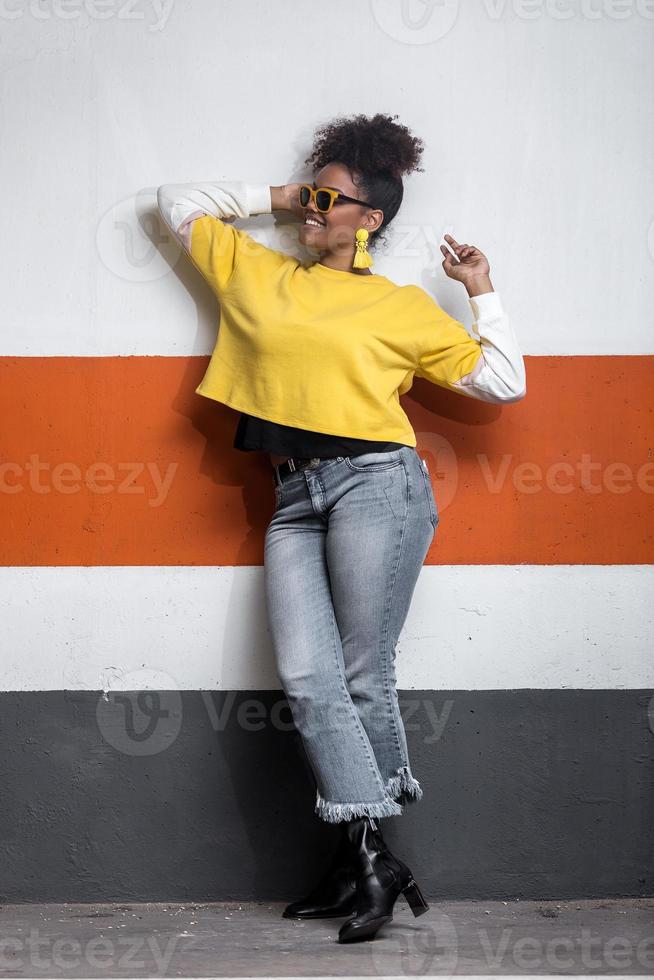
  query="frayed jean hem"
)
[
  {"x": 404, "y": 785},
  {"x": 336, "y": 812}
]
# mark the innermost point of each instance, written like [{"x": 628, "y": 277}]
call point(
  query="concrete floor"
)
[{"x": 251, "y": 939}]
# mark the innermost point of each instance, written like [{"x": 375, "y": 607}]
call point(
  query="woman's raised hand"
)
[
  {"x": 285, "y": 198},
  {"x": 472, "y": 267}
]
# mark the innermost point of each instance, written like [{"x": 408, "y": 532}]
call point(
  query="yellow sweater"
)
[{"x": 318, "y": 348}]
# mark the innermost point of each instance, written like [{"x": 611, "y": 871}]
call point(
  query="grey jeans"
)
[{"x": 342, "y": 555}]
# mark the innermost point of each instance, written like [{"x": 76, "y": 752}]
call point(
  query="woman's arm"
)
[
  {"x": 199, "y": 215},
  {"x": 499, "y": 374},
  {"x": 181, "y": 204}
]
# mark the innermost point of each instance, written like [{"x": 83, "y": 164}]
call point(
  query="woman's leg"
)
[
  {"x": 380, "y": 527},
  {"x": 309, "y": 656}
]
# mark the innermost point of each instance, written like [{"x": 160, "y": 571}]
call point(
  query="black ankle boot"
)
[
  {"x": 379, "y": 880},
  {"x": 335, "y": 893}
]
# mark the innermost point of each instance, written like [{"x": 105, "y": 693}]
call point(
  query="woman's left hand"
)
[{"x": 472, "y": 263}]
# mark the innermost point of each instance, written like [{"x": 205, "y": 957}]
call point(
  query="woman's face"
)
[{"x": 334, "y": 231}]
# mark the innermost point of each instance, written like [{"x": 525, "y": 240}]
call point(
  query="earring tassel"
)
[{"x": 362, "y": 258}]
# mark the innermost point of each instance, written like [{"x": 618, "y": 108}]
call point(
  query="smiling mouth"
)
[{"x": 313, "y": 222}]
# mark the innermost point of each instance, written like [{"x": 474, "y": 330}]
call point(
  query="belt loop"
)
[{"x": 291, "y": 464}]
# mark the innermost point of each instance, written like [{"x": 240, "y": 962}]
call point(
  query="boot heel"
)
[{"x": 415, "y": 898}]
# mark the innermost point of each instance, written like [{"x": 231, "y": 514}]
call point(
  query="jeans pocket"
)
[
  {"x": 433, "y": 509},
  {"x": 374, "y": 462}
]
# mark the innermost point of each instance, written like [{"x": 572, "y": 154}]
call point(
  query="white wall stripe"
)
[
  {"x": 187, "y": 628},
  {"x": 553, "y": 184}
]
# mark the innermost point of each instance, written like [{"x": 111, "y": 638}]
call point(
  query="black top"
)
[{"x": 286, "y": 440}]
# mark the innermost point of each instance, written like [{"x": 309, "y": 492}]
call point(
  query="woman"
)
[{"x": 315, "y": 357}]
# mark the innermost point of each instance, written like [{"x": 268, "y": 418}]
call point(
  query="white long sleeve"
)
[
  {"x": 181, "y": 204},
  {"x": 499, "y": 375}
]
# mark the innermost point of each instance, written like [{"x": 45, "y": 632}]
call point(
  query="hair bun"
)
[{"x": 370, "y": 144}]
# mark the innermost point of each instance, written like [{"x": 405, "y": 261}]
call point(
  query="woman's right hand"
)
[{"x": 285, "y": 198}]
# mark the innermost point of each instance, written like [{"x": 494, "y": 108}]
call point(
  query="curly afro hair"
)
[{"x": 377, "y": 151}]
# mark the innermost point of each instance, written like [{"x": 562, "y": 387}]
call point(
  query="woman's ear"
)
[{"x": 374, "y": 219}]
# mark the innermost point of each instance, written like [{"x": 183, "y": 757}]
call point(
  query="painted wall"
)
[{"x": 133, "y": 532}]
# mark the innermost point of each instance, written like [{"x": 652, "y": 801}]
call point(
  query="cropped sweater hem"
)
[{"x": 405, "y": 438}]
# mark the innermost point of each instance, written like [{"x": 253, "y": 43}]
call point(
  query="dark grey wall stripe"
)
[{"x": 178, "y": 796}]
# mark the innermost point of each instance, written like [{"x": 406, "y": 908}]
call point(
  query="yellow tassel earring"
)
[{"x": 362, "y": 258}]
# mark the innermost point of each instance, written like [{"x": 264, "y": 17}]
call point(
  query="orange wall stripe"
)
[{"x": 116, "y": 461}]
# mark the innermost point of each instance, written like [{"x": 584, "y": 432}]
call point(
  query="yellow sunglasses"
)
[{"x": 325, "y": 198}]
